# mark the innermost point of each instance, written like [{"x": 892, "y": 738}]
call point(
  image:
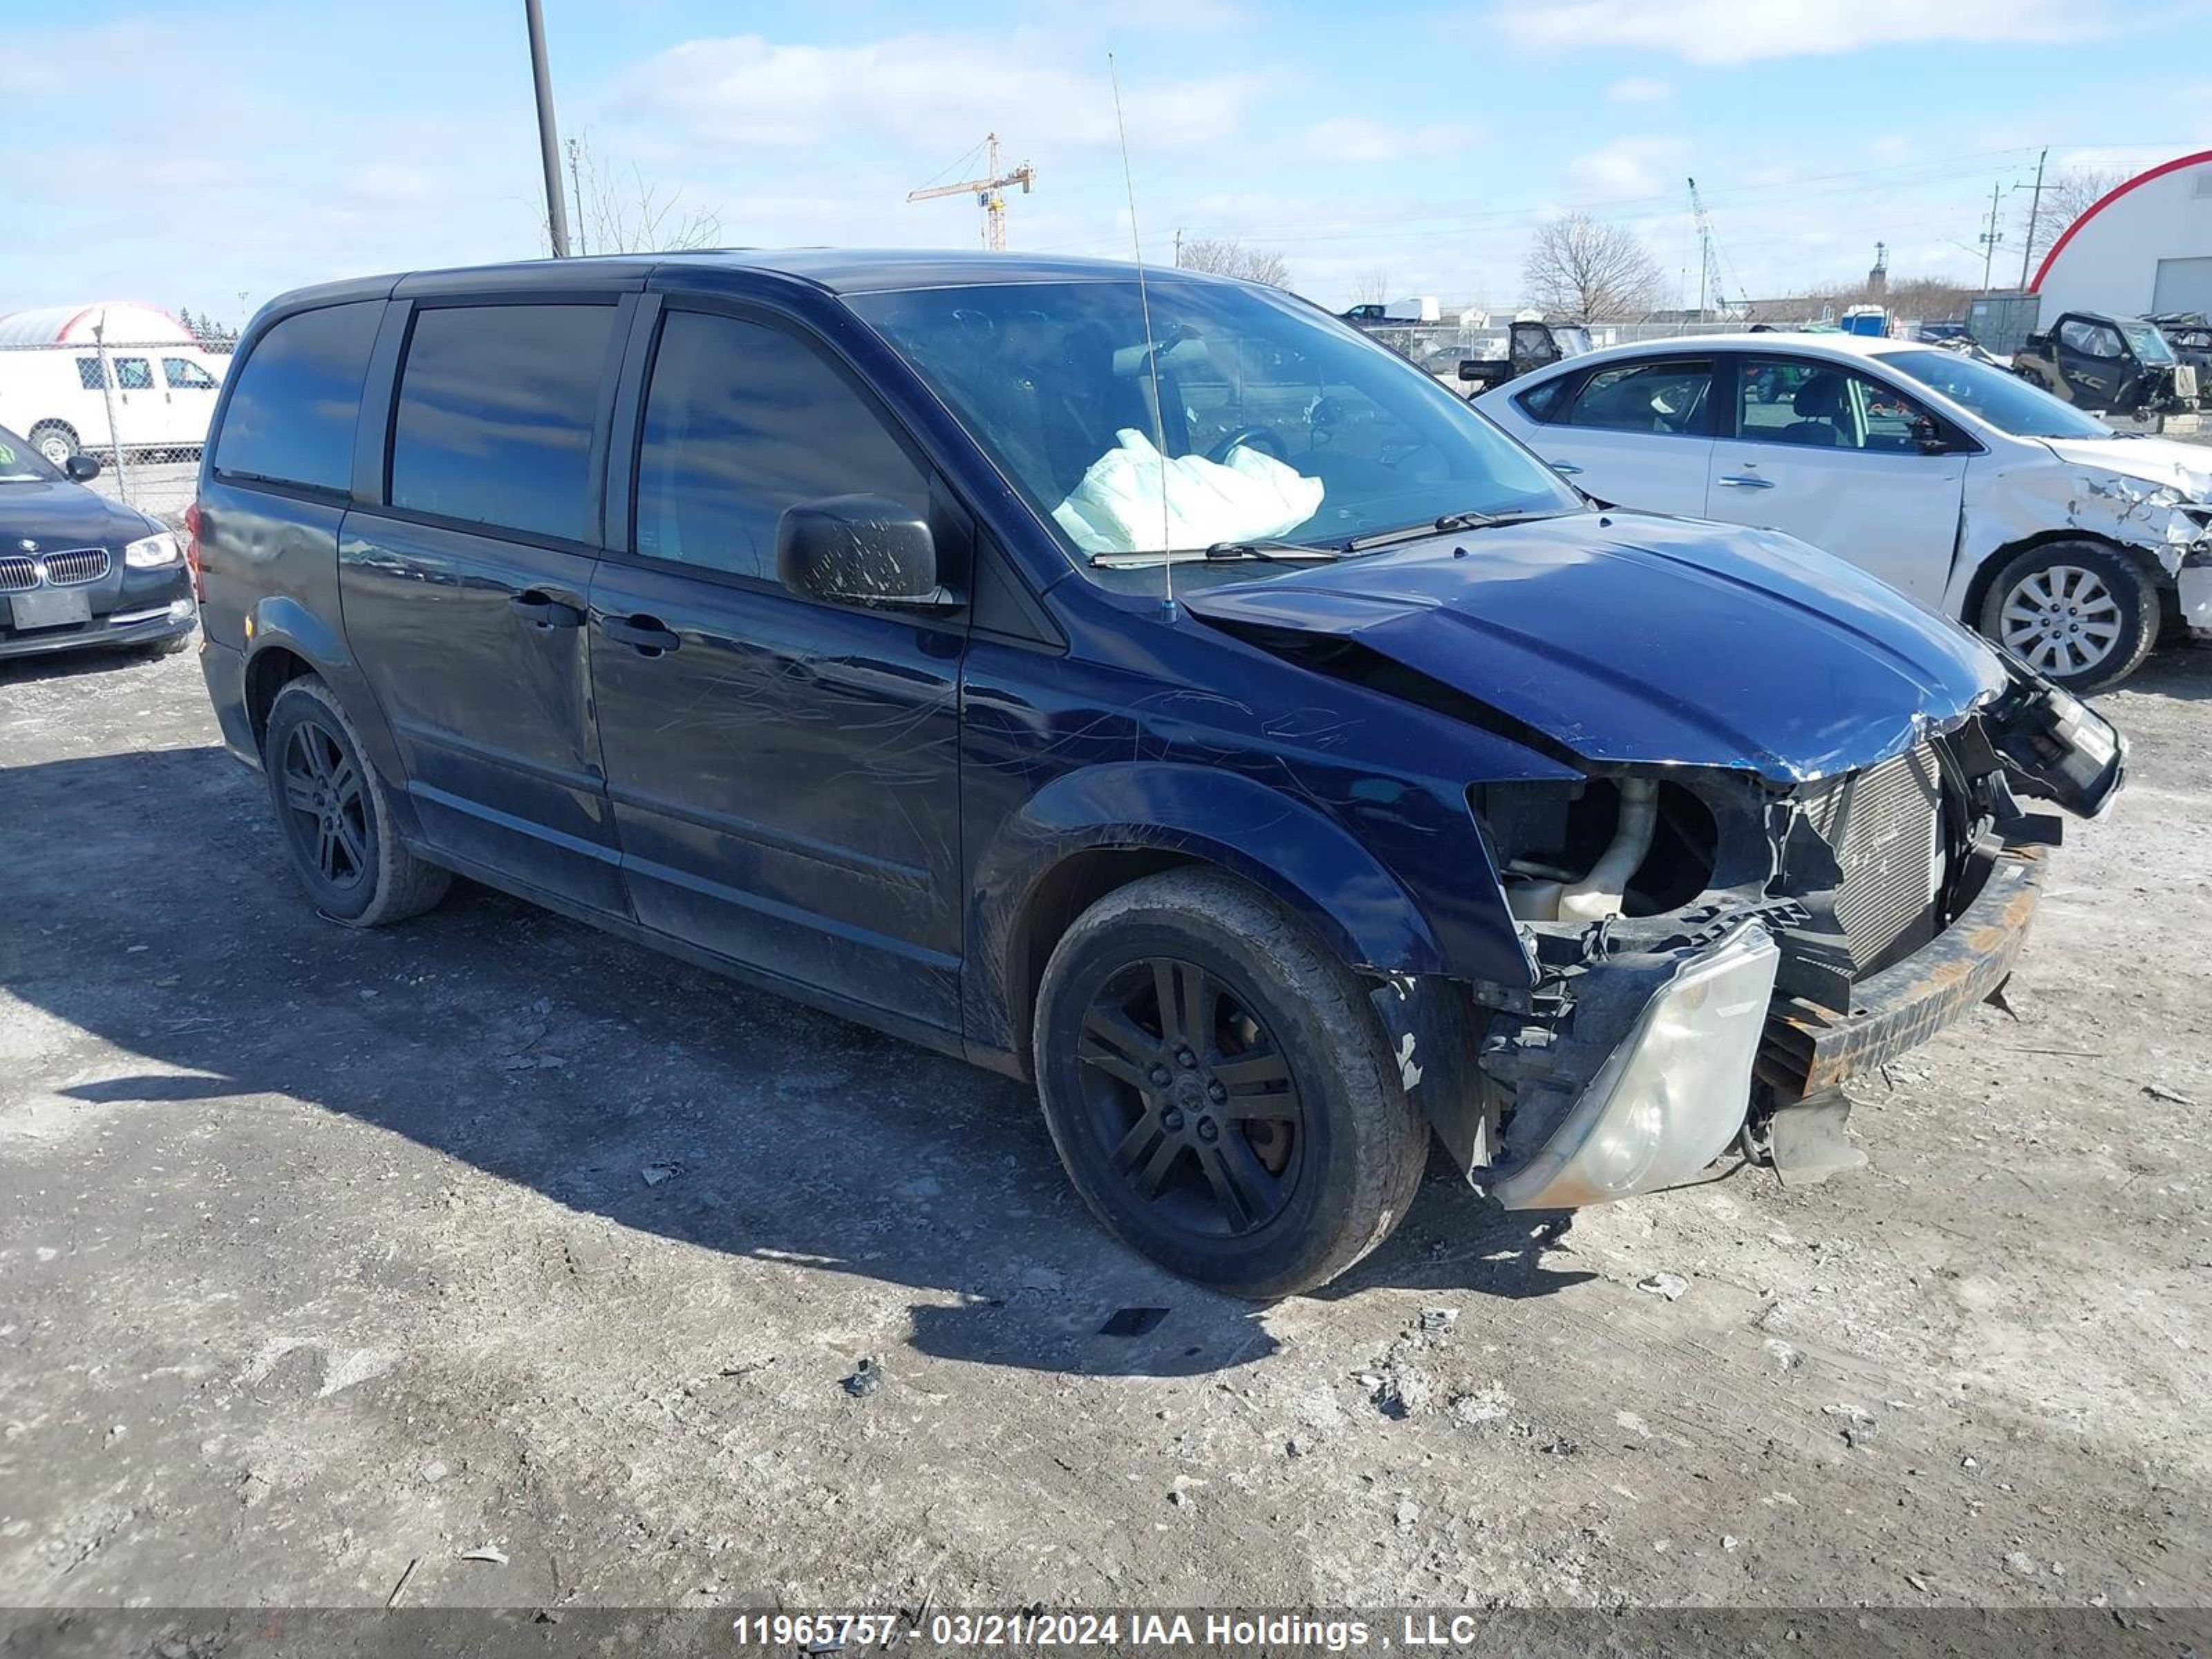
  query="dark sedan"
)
[{"x": 79, "y": 570}]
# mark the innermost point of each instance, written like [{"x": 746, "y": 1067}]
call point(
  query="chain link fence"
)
[{"x": 138, "y": 408}]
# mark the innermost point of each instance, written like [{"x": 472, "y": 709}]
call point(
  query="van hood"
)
[
  {"x": 2186, "y": 468},
  {"x": 61, "y": 514},
  {"x": 1631, "y": 639}
]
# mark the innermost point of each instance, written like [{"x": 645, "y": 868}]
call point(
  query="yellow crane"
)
[{"x": 987, "y": 192}]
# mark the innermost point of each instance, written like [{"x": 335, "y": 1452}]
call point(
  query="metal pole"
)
[
  {"x": 2034, "y": 207},
  {"x": 107, "y": 396},
  {"x": 1990, "y": 237},
  {"x": 548, "y": 141}
]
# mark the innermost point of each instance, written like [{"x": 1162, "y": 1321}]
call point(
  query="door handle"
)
[
  {"x": 543, "y": 611},
  {"x": 1745, "y": 481},
  {"x": 1567, "y": 467},
  {"x": 647, "y": 635}
]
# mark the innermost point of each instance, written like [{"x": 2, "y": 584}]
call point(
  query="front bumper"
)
[
  {"x": 1659, "y": 1135},
  {"x": 1808, "y": 1048},
  {"x": 2194, "y": 586},
  {"x": 141, "y": 623}
]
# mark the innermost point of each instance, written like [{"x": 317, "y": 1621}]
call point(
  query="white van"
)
[{"x": 56, "y": 396}]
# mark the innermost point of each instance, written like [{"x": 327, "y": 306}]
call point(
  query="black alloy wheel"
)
[
  {"x": 1191, "y": 1098},
  {"x": 327, "y": 810}
]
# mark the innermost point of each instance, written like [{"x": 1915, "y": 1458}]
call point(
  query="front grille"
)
[
  {"x": 69, "y": 569},
  {"x": 1886, "y": 826},
  {"x": 20, "y": 572}
]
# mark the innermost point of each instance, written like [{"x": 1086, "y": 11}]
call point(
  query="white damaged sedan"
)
[{"x": 1970, "y": 490}]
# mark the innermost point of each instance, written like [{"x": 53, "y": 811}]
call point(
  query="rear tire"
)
[
  {"x": 1254, "y": 1137},
  {"x": 335, "y": 815},
  {"x": 2077, "y": 612}
]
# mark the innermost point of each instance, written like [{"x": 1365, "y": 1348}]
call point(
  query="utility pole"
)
[
  {"x": 1991, "y": 234},
  {"x": 549, "y": 141},
  {"x": 577, "y": 187},
  {"x": 1178, "y": 244},
  {"x": 2034, "y": 210}
]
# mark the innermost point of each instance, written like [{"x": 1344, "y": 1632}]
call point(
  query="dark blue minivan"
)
[{"x": 1138, "y": 682}]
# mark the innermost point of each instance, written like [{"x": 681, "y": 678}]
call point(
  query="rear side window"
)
[
  {"x": 134, "y": 374},
  {"x": 741, "y": 421},
  {"x": 1668, "y": 396},
  {"x": 1543, "y": 402},
  {"x": 294, "y": 399},
  {"x": 496, "y": 405}
]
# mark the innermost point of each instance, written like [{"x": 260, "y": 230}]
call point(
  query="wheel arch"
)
[
  {"x": 286, "y": 639},
  {"x": 1985, "y": 574},
  {"x": 1091, "y": 833}
]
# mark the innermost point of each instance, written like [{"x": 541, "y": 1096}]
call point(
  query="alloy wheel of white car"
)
[{"x": 2062, "y": 619}]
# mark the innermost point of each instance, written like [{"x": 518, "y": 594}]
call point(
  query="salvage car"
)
[
  {"x": 2118, "y": 365},
  {"x": 1529, "y": 346},
  {"x": 1157, "y": 690},
  {"x": 78, "y": 570},
  {"x": 1959, "y": 485}
]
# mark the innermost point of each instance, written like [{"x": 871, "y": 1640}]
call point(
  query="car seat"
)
[{"x": 1820, "y": 404}]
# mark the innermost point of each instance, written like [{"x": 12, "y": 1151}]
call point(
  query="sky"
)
[{"x": 211, "y": 155}]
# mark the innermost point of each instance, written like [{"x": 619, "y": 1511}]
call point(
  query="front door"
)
[
  {"x": 1834, "y": 457},
  {"x": 465, "y": 597},
  {"x": 785, "y": 774},
  {"x": 1636, "y": 433}
]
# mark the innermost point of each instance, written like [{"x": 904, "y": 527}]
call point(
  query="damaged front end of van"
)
[{"x": 1726, "y": 915}]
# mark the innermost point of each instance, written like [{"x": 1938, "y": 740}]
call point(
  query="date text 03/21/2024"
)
[{"x": 1041, "y": 1629}]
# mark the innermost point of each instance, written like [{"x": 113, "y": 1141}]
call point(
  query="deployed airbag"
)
[{"x": 1129, "y": 497}]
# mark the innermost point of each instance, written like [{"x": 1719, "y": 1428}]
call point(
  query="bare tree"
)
[
  {"x": 1589, "y": 271},
  {"x": 1374, "y": 288},
  {"x": 1225, "y": 257},
  {"x": 2066, "y": 196},
  {"x": 621, "y": 212}
]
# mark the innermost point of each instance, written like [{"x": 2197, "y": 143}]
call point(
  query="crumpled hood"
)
[
  {"x": 2186, "y": 468},
  {"x": 64, "y": 515},
  {"x": 1632, "y": 639}
]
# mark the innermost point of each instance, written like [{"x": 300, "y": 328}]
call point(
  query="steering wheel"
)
[{"x": 1264, "y": 439}]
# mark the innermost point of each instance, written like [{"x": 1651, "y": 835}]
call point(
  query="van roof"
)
[{"x": 837, "y": 270}]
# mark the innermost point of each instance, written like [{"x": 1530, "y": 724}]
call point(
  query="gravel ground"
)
[{"x": 323, "y": 1253}]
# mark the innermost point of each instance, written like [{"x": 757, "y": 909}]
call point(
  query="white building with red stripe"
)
[{"x": 2145, "y": 247}]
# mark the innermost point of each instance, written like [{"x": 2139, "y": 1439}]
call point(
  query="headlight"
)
[
  {"x": 152, "y": 552},
  {"x": 1672, "y": 1095}
]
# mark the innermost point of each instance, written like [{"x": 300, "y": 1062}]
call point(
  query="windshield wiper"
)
[
  {"x": 1265, "y": 548},
  {"x": 1448, "y": 524}
]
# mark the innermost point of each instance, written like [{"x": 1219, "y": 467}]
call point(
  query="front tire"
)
[
  {"x": 336, "y": 817},
  {"x": 1219, "y": 1089},
  {"x": 2077, "y": 612}
]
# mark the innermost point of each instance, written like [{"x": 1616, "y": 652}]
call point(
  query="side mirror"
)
[
  {"x": 1929, "y": 437},
  {"x": 862, "y": 551},
  {"x": 82, "y": 469}
]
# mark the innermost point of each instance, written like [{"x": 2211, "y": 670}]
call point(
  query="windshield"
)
[
  {"x": 1274, "y": 423},
  {"x": 2005, "y": 401},
  {"x": 20, "y": 464},
  {"x": 2146, "y": 343}
]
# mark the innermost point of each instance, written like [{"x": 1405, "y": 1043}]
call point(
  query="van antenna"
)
[{"x": 1152, "y": 350}]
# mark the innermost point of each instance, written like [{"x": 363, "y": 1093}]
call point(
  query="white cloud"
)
[
  {"x": 1639, "y": 89},
  {"x": 1355, "y": 138},
  {"x": 931, "y": 92},
  {"x": 1745, "y": 31},
  {"x": 1627, "y": 168}
]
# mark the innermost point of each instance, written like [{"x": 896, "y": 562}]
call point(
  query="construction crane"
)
[
  {"x": 1708, "y": 270},
  {"x": 988, "y": 192}
]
